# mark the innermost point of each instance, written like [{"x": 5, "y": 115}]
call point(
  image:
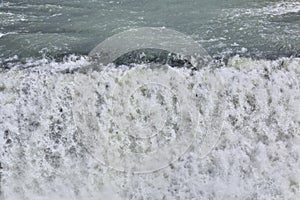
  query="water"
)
[
  {"x": 71, "y": 128},
  {"x": 265, "y": 29}
]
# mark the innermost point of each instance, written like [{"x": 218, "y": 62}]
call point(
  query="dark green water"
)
[
  {"x": 73, "y": 130},
  {"x": 52, "y": 28}
]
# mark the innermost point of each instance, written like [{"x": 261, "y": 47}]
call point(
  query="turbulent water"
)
[
  {"x": 71, "y": 128},
  {"x": 44, "y": 155},
  {"x": 56, "y": 28}
]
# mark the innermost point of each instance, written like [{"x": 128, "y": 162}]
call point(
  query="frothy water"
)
[
  {"x": 255, "y": 153},
  {"x": 221, "y": 125}
]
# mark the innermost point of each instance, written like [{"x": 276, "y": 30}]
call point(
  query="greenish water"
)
[
  {"x": 73, "y": 129},
  {"x": 52, "y": 28}
]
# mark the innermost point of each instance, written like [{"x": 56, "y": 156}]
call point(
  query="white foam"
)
[
  {"x": 272, "y": 9},
  {"x": 282, "y": 8},
  {"x": 257, "y": 155}
]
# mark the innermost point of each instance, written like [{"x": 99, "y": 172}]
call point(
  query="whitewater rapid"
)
[{"x": 250, "y": 108}]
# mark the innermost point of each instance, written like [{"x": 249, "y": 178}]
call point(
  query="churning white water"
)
[
  {"x": 73, "y": 129},
  {"x": 246, "y": 145}
]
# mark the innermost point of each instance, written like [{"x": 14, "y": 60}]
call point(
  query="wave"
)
[{"x": 44, "y": 154}]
